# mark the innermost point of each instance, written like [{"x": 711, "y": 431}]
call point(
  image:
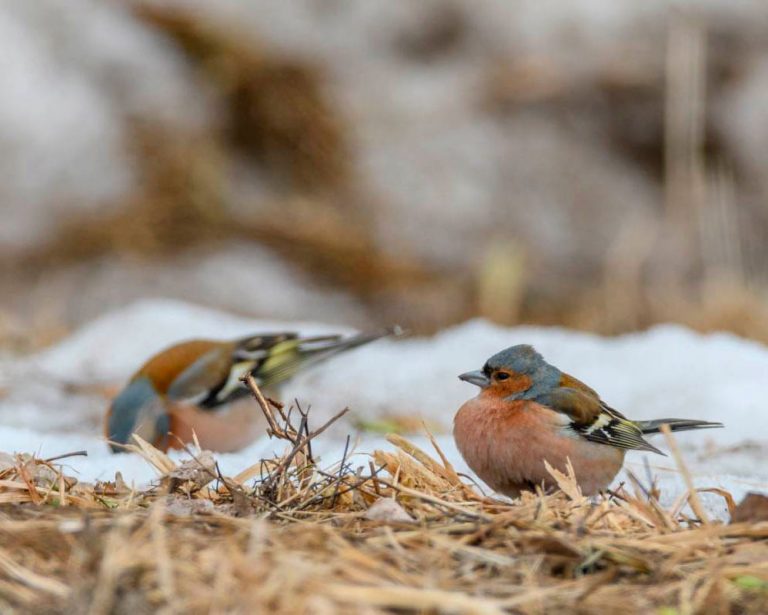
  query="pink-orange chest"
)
[{"x": 487, "y": 429}]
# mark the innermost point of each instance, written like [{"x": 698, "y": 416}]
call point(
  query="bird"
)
[
  {"x": 193, "y": 388},
  {"x": 528, "y": 411}
]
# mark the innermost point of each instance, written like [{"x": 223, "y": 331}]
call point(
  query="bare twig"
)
[
  {"x": 266, "y": 408},
  {"x": 698, "y": 509},
  {"x": 286, "y": 461},
  {"x": 341, "y": 469},
  {"x": 66, "y": 456}
]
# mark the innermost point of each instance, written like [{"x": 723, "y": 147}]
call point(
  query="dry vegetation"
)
[{"x": 403, "y": 534}]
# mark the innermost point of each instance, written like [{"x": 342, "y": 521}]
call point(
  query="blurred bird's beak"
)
[{"x": 477, "y": 378}]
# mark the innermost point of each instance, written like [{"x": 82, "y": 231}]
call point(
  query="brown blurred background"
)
[{"x": 599, "y": 165}]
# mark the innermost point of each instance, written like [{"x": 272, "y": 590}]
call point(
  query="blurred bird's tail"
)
[
  {"x": 652, "y": 427},
  {"x": 287, "y": 356}
]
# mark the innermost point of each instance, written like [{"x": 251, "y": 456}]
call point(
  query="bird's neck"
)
[{"x": 543, "y": 381}]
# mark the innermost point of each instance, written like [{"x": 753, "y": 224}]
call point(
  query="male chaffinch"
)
[
  {"x": 194, "y": 387},
  {"x": 529, "y": 411}
]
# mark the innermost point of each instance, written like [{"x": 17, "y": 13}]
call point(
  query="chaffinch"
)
[
  {"x": 529, "y": 411},
  {"x": 195, "y": 387}
]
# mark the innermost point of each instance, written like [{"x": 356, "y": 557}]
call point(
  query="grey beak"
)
[{"x": 477, "y": 378}]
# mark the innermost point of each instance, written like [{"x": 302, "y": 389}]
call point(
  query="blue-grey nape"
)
[
  {"x": 127, "y": 408},
  {"x": 523, "y": 359}
]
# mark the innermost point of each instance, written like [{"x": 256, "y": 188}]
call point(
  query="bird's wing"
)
[
  {"x": 569, "y": 382},
  {"x": 214, "y": 378},
  {"x": 594, "y": 420},
  {"x": 203, "y": 377}
]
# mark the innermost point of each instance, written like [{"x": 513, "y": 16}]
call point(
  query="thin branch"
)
[{"x": 66, "y": 456}]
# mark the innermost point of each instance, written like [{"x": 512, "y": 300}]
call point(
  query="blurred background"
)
[{"x": 597, "y": 165}]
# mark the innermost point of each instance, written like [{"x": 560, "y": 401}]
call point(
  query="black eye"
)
[{"x": 502, "y": 376}]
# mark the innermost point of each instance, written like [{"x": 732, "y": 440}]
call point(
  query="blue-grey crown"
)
[
  {"x": 524, "y": 359},
  {"x": 521, "y": 358}
]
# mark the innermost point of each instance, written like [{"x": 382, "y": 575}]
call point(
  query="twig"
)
[
  {"x": 698, "y": 509},
  {"x": 338, "y": 480},
  {"x": 66, "y": 455},
  {"x": 274, "y": 429},
  {"x": 297, "y": 449},
  {"x": 374, "y": 478},
  {"x": 286, "y": 461},
  {"x": 341, "y": 470},
  {"x": 305, "y": 415}
]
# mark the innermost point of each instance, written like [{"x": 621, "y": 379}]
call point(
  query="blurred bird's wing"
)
[
  {"x": 592, "y": 419},
  {"x": 204, "y": 377},
  {"x": 270, "y": 358},
  {"x": 213, "y": 377},
  {"x": 248, "y": 354}
]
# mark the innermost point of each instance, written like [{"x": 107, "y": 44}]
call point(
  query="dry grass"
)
[{"x": 405, "y": 534}]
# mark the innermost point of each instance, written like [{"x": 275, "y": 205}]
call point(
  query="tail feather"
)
[{"x": 652, "y": 427}]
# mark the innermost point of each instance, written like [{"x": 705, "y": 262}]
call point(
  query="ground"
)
[{"x": 321, "y": 541}]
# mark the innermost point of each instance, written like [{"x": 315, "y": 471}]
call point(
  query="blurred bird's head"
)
[
  {"x": 138, "y": 409},
  {"x": 519, "y": 372}
]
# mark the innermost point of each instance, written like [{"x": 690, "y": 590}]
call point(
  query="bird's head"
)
[
  {"x": 519, "y": 372},
  {"x": 138, "y": 409}
]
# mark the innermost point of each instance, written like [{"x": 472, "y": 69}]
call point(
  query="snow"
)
[{"x": 668, "y": 371}]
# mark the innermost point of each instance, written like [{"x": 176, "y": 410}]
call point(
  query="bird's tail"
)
[
  {"x": 652, "y": 427},
  {"x": 289, "y": 355}
]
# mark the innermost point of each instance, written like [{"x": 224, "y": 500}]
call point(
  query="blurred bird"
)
[
  {"x": 195, "y": 387},
  {"x": 529, "y": 411}
]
